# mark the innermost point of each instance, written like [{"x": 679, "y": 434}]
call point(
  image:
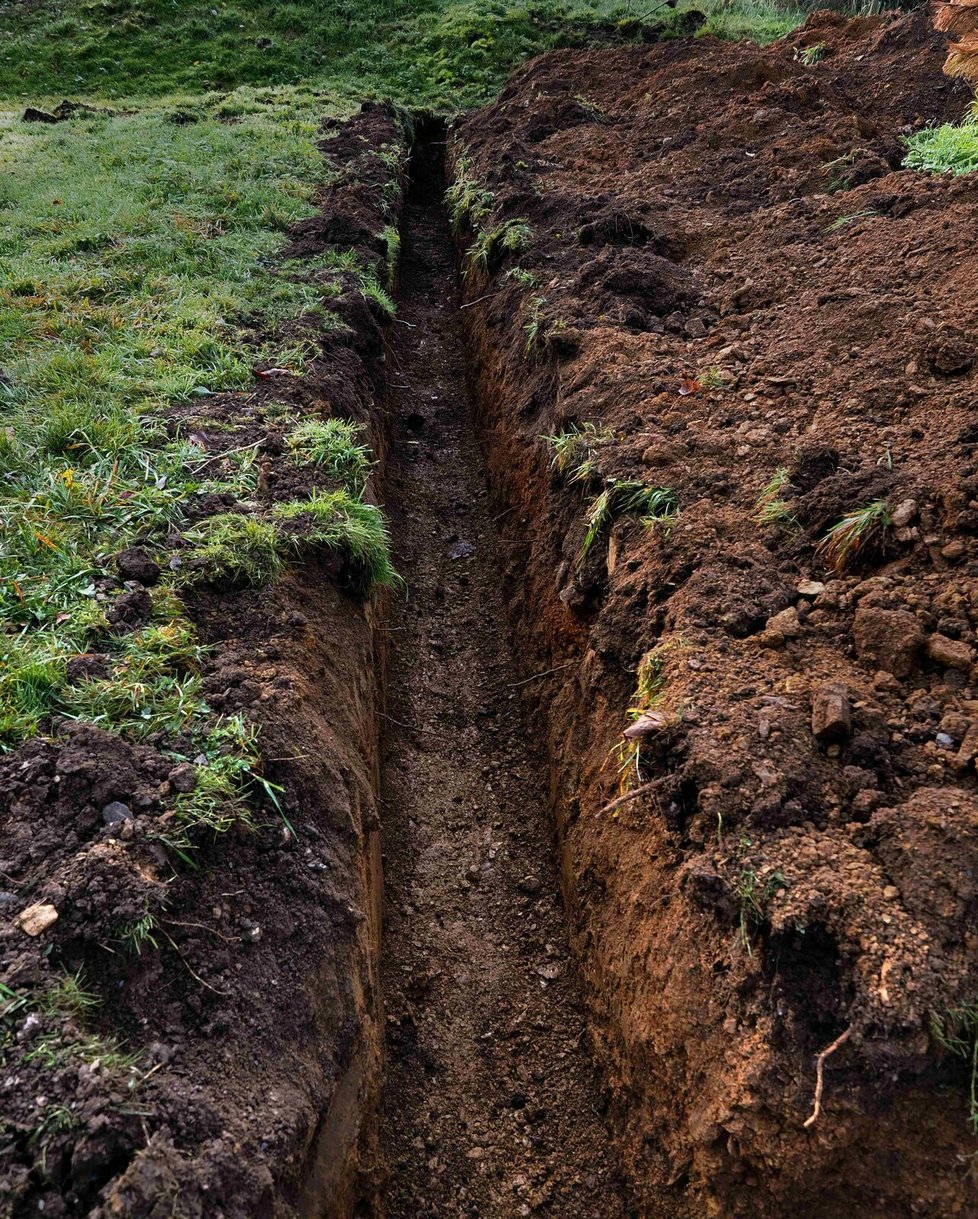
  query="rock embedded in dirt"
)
[
  {"x": 37, "y": 919},
  {"x": 831, "y": 714},
  {"x": 810, "y": 588},
  {"x": 904, "y": 512},
  {"x": 136, "y": 564},
  {"x": 781, "y": 627},
  {"x": 116, "y": 812},
  {"x": 890, "y": 640},
  {"x": 530, "y": 885},
  {"x": 951, "y": 653},
  {"x": 183, "y": 778}
]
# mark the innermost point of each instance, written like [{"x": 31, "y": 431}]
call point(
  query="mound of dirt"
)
[
  {"x": 231, "y": 1064},
  {"x": 735, "y": 282}
]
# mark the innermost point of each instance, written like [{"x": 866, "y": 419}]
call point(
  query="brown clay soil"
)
[
  {"x": 734, "y": 276},
  {"x": 491, "y": 1107}
]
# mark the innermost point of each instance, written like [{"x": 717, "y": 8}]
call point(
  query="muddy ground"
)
[
  {"x": 732, "y": 276},
  {"x": 491, "y": 1106}
]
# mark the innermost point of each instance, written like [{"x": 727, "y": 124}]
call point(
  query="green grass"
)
[
  {"x": 492, "y": 245},
  {"x": 771, "y": 508},
  {"x": 448, "y": 54},
  {"x": 760, "y": 21},
  {"x": 334, "y": 445},
  {"x": 134, "y": 259},
  {"x": 341, "y": 522},
  {"x": 575, "y": 451},
  {"x": 651, "y": 505},
  {"x": 944, "y": 150}
]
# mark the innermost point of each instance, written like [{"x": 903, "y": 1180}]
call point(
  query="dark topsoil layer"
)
[
  {"x": 252, "y": 1011},
  {"x": 802, "y": 860}
]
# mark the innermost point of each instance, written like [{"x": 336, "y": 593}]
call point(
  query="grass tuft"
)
[
  {"x": 354, "y": 529},
  {"x": 233, "y": 550},
  {"x": 575, "y": 451},
  {"x": 948, "y": 149},
  {"x": 771, "y": 508},
  {"x": 334, "y": 445},
  {"x": 652, "y": 505},
  {"x": 861, "y": 533}
]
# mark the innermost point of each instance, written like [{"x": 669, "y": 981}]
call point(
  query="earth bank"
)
[
  {"x": 248, "y": 1006},
  {"x": 706, "y": 273}
]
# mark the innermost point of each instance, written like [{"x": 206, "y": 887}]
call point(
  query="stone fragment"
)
[
  {"x": 951, "y": 653},
  {"x": 116, "y": 812},
  {"x": 904, "y": 512},
  {"x": 887, "y": 639},
  {"x": 37, "y": 918},
  {"x": 810, "y": 588},
  {"x": 183, "y": 778},
  {"x": 831, "y": 714}
]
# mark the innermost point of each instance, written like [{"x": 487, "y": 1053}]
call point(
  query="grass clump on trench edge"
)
[{"x": 133, "y": 248}]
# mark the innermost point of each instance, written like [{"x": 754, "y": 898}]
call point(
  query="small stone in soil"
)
[
  {"x": 530, "y": 885},
  {"x": 37, "y": 918},
  {"x": 183, "y": 778},
  {"x": 461, "y": 550},
  {"x": 115, "y": 812}
]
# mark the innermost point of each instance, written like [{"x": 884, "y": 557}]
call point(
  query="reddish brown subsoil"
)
[
  {"x": 491, "y": 1107},
  {"x": 253, "y": 1011},
  {"x": 799, "y": 863}
]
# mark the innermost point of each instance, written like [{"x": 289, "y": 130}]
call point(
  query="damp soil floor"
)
[{"x": 492, "y": 1106}]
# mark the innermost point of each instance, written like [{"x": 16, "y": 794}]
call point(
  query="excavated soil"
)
[
  {"x": 491, "y": 1107},
  {"x": 732, "y": 276}
]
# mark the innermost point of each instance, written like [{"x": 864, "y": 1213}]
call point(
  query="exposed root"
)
[
  {"x": 820, "y": 1074},
  {"x": 631, "y": 795}
]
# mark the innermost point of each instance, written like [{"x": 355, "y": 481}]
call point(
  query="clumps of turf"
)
[
  {"x": 651, "y": 505},
  {"x": 231, "y": 549},
  {"x": 237, "y": 550},
  {"x": 336, "y": 446},
  {"x": 575, "y": 451},
  {"x": 858, "y": 536}
]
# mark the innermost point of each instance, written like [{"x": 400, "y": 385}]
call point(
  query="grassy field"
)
[{"x": 424, "y": 53}]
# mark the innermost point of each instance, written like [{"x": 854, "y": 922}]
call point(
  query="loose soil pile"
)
[
  {"x": 250, "y": 1011},
  {"x": 735, "y": 279}
]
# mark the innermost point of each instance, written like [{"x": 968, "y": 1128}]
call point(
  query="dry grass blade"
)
[
  {"x": 962, "y": 59},
  {"x": 859, "y": 534},
  {"x": 955, "y": 17}
]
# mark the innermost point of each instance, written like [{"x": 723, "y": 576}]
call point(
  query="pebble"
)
[
  {"x": 37, "y": 918},
  {"x": 530, "y": 885},
  {"x": 183, "y": 778},
  {"x": 115, "y": 812},
  {"x": 810, "y": 588}
]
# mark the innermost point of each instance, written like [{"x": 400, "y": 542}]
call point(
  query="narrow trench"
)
[{"x": 491, "y": 1105}]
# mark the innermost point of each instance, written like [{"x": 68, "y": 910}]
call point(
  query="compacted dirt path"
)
[{"x": 492, "y": 1106}]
